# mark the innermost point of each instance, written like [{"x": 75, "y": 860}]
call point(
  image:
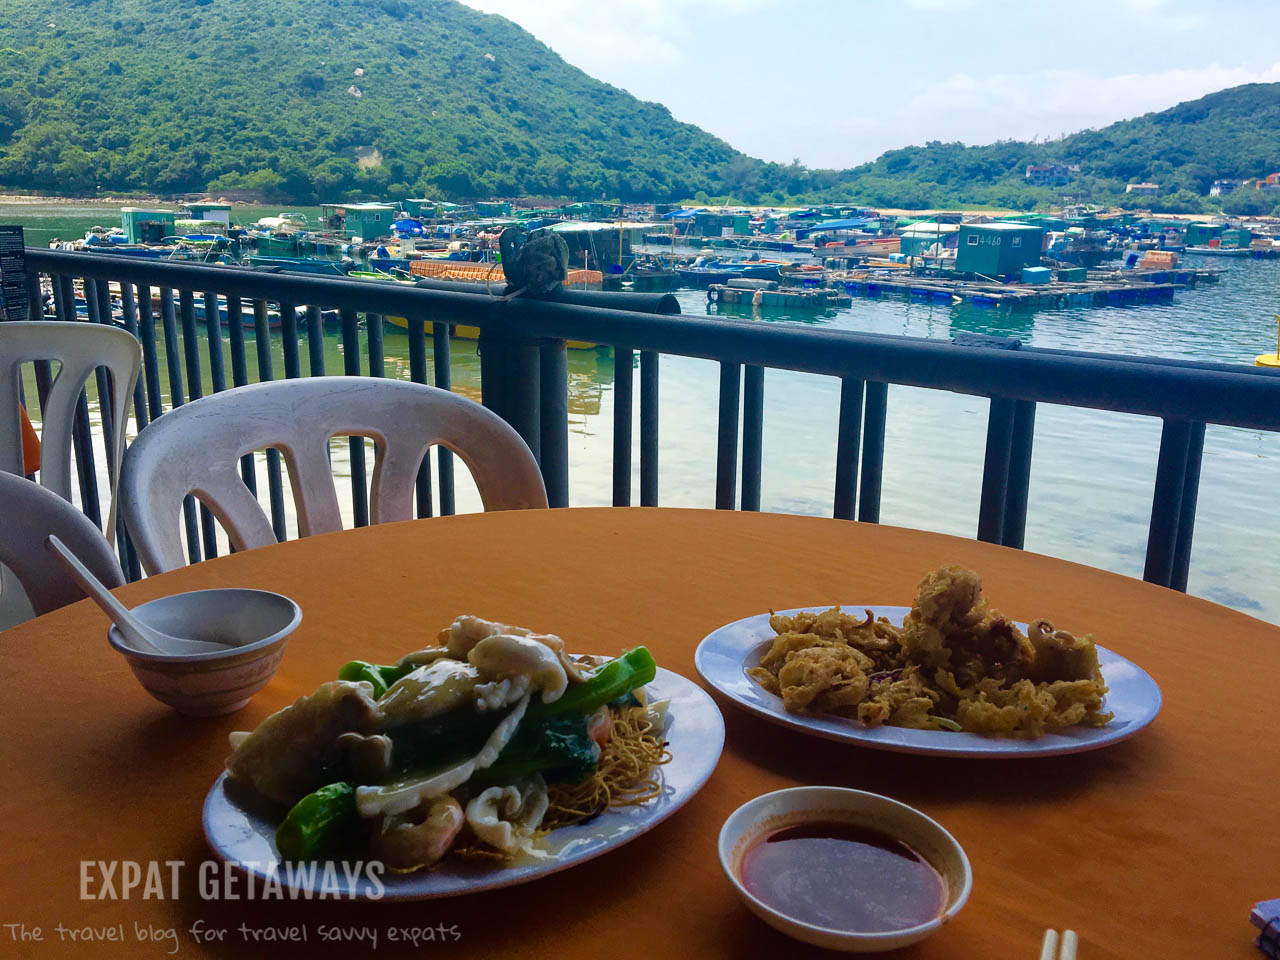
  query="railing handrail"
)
[{"x": 1175, "y": 389}]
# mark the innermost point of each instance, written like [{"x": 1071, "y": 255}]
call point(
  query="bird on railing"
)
[{"x": 537, "y": 266}]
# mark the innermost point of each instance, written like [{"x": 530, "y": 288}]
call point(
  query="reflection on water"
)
[{"x": 995, "y": 322}]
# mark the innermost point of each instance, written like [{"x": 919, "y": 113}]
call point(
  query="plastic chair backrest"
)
[
  {"x": 28, "y": 514},
  {"x": 196, "y": 449},
  {"x": 79, "y": 347}
]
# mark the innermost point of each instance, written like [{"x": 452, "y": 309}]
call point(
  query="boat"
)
[
  {"x": 764, "y": 293},
  {"x": 460, "y": 331},
  {"x": 247, "y": 319},
  {"x": 703, "y": 273},
  {"x": 1221, "y": 251},
  {"x": 310, "y": 265},
  {"x": 869, "y": 247},
  {"x": 279, "y": 234}
]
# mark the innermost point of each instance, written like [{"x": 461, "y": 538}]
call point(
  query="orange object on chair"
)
[{"x": 30, "y": 445}]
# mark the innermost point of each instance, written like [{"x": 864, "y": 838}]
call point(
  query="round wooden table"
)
[{"x": 1155, "y": 847}]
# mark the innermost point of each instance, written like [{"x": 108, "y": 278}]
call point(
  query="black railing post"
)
[
  {"x": 289, "y": 340},
  {"x": 752, "y": 435},
  {"x": 195, "y": 390},
  {"x": 315, "y": 342},
  {"x": 444, "y": 380},
  {"x": 727, "y": 435},
  {"x": 351, "y": 367},
  {"x": 418, "y": 374},
  {"x": 623, "y": 359},
  {"x": 129, "y": 307},
  {"x": 848, "y": 436},
  {"x": 553, "y": 414},
  {"x": 1015, "y": 499},
  {"x": 213, "y": 329},
  {"x": 266, "y": 372},
  {"x": 1166, "y": 504},
  {"x": 509, "y": 383},
  {"x": 176, "y": 399},
  {"x": 150, "y": 358},
  {"x": 1187, "y": 514},
  {"x": 240, "y": 377},
  {"x": 374, "y": 331},
  {"x": 995, "y": 470},
  {"x": 648, "y": 428},
  {"x": 873, "y": 422}
]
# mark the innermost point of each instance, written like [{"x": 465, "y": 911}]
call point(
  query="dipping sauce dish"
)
[{"x": 844, "y": 869}]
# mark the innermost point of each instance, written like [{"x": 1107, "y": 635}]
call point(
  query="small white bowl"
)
[
  {"x": 785, "y": 808},
  {"x": 256, "y": 624}
]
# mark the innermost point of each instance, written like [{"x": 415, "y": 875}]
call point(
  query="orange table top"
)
[{"x": 1154, "y": 847}]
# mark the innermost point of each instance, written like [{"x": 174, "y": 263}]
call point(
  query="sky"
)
[{"x": 837, "y": 82}]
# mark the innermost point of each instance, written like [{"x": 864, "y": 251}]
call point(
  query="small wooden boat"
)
[{"x": 460, "y": 331}]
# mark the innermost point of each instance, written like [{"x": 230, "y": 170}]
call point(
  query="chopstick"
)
[{"x": 1049, "y": 946}]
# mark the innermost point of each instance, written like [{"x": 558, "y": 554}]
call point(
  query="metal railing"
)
[{"x": 524, "y": 379}]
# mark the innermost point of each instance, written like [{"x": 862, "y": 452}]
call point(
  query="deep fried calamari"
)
[{"x": 954, "y": 661}]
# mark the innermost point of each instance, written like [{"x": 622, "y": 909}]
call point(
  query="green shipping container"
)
[
  {"x": 150, "y": 226},
  {"x": 420, "y": 206},
  {"x": 1073, "y": 274},
  {"x": 369, "y": 221},
  {"x": 998, "y": 249}
]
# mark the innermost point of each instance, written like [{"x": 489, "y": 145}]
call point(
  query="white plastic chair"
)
[
  {"x": 196, "y": 449},
  {"x": 28, "y": 514},
  {"x": 78, "y": 347}
]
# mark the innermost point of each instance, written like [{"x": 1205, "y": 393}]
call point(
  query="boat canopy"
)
[{"x": 850, "y": 224}]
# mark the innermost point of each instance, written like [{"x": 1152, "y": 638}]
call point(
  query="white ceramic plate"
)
[
  {"x": 727, "y": 653},
  {"x": 245, "y": 837}
]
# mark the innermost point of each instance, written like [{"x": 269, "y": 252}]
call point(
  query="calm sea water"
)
[{"x": 1092, "y": 472}]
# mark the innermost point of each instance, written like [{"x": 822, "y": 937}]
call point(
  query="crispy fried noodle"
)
[
  {"x": 955, "y": 663},
  {"x": 626, "y": 775}
]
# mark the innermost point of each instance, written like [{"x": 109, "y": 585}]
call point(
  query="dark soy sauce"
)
[{"x": 843, "y": 877}]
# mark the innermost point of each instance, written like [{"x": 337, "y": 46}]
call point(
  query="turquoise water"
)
[{"x": 1092, "y": 472}]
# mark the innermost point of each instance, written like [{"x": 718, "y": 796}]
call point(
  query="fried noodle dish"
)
[
  {"x": 476, "y": 747},
  {"x": 954, "y": 664}
]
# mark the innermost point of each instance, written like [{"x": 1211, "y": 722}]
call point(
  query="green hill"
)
[{"x": 287, "y": 96}]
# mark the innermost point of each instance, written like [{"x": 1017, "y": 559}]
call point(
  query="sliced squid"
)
[
  {"x": 507, "y": 655},
  {"x": 497, "y": 694},
  {"x": 506, "y": 817},
  {"x": 466, "y": 631}
]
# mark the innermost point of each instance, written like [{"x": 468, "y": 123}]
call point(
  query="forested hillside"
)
[
  {"x": 315, "y": 100},
  {"x": 284, "y": 96},
  {"x": 1230, "y": 134}
]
